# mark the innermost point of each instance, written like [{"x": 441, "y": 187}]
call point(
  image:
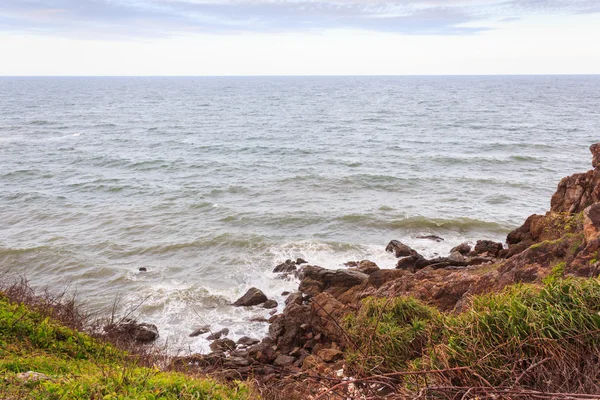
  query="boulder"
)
[
  {"x": 315, "y": 280},
  {"x": 487, "y": 248},
  {"x": 200, "y": 330},
  {"x": 399, "y": 249},
  {"x": 222, "y": 345},
  {"x": 463, "y": 248},
  {"x": 284, "y": 361},
  {"x": 294, "y": 298},
  {"x": 326, "y": 316},
  {"x": 330, "y": 355},
  {"x": 270, "y": 304},
  {"x": 217, "y": 335},
  {"x": 301, "y": 261},
  {"x": 591, "y": 221},
  {"x": 367, "y": 267},
  {"x": 287, "y": 329},
  {"x": 252, "y": 297},
  {"x": 287, "y": 266},
  {"x": 262, "y": 353},
  {"x": 130, "y": 330},
  {"x": 247, "y": 341}
]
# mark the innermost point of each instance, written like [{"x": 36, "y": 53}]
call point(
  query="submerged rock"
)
[
  {"x": 270, "y": 304},
  {"x": 217, "y": 335},
  {"x": 431, "y": 237},
  {"x": 287, "y": 266},
  {"x": 252, "y": 297},
  {"x": 200, "y": 330}
]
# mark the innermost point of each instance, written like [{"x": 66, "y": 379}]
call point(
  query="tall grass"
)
[{"x": 545, "y": 338}]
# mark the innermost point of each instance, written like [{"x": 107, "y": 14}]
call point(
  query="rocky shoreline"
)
[{"x": 307, "y": 337}]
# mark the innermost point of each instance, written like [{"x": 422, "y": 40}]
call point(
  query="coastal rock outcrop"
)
[
  {"x": 399, "y": 249},
  {"x": 252, "y": 297}
]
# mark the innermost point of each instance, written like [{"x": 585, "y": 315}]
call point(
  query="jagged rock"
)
[
  {"x": 283, "y": 360},
  {"x": 457, "y": 257},
  {"x": 132, "y": 330},
  {"x": 327, "y": 313},
  {"x": 367, "y": 267},
  {"x": 301, "y": 261},
  {"x": 399, "y": 249},
  {"x": 463, "y": 248},
  {"x": 294, "y": 298},
  {"x": 431, "y": 237},
  {"x": 286, "y": 329},
  {"x": 576, "y": 192},
  {"x": 310, "y": 362},
  {"x": 270, "y": 304},
  {"x": 285, "y": 293},
  {"x": 247, "y": 341},
  {"x": 315, "y": 280},
  {"x": 217, "y": 335},
  {"x": 262, "y": 353},
  {"x": 222, "y": 345},
  {"x": 591, "y": 220},
  {"x": 252, "y": 297},
  {"x": 287, "y": 266},
  {"x": 200, "y": 330},
  {"x": 487, "y": 248},
  {"x": 330, "y": 355}
]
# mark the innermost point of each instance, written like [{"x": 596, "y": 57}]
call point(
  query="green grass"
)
[
  {"x": 499, "y": 337},
  {"x": 80, "y": 367}
]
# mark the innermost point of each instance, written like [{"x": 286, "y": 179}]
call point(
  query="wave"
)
[{"x": 461, "y": 224}]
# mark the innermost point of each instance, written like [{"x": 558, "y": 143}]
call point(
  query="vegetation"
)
[
  {"x": 72, "y": 365},
  {"x": 540, "y": 337}
]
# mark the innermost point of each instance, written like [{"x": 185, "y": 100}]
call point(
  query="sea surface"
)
[{"x": 209, "y": 183}]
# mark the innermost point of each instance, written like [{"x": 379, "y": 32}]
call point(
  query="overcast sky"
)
[{"x": 298, "y": 37}]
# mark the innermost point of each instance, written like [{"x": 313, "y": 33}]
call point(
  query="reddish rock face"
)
[
  {"x": 595, "y": 149},
  {"x": 576, "y": 192},
  {"x": 591, "y": 222}
]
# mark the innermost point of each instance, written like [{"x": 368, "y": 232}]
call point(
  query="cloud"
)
[{"x": 143, "y": 18}]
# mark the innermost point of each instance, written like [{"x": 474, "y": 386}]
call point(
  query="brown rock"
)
[
  {"x": 200, "y": 330},
  {"x": 218, "y": 334},
  {"x": 487, "y": 248},
  {"x": 262, "y": 353},
  {"x": 315, "y": 280},
  {"x": 576, "y": 192},
  {"x": 367, "y": 267},
  {"x": 222, "y": 345},
  {"x": 252, "y": 297},
  {"x": 463, "y": 248},
  {"x": 327, "y": 313},
  {"x": 284, "y": 361},
  {"x": 131, "y": 330},
  {"x": 399, "y": 249},
  {"x": 591, "y": 221},
  {"x": 247, "y": 341},
  {"x": 330, "y": 355},
  {"x": 431, "y": 237},
  {"x": 287, "y": 266},
  {"x": 595, "y": 149},
  {"x": 270, "y": 304}
]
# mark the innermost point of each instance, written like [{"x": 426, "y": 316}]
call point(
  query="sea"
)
[{"x": 209, "y": 182}]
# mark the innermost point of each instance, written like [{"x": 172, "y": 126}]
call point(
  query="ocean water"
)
[{"x": 210, "y": 182}]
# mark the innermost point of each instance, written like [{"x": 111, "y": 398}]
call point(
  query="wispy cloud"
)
[{"x": 105, "y": 18}]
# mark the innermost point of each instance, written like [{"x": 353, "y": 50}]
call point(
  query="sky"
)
[{"x": 299, "y": 37}]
